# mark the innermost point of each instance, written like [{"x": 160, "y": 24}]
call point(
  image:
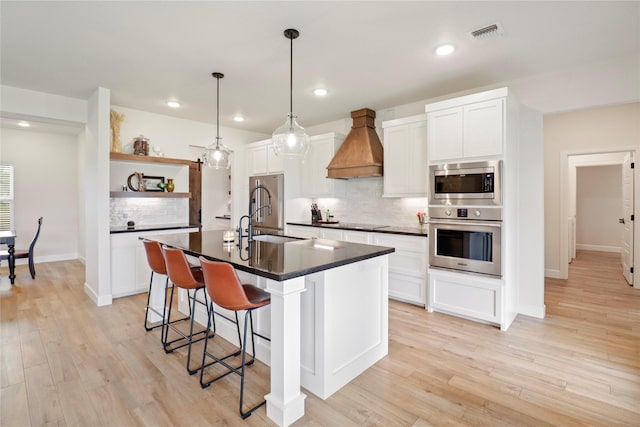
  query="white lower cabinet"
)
[
  {"x": 332, "y": 234},
  {"x": 356, "y": 236},
  {"x": 130, "y": 270},
  {"x": 407, "y": 266},
  {"x": 466, "y": 295}
]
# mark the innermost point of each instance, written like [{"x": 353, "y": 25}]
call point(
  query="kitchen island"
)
[{"x": 328, "y": 317}]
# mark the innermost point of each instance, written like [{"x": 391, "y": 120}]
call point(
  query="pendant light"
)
[
  {"x": 217, "y": 157},
  {"x": 290, "y": 139}
]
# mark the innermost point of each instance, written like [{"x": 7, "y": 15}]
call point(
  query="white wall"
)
[
  {"x": 598, "y": 207},
  {"x": 46, "y": 182},
  {"x": 593, "y": 130}
]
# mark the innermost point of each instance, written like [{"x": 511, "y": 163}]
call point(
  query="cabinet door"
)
[
  {"x": 407, "y": 266},
  {"x": 484, "y": 128},
  {"x": 143, "y": 271},
  {"x": 396, "y": 152},
  {"x": 445, "y": 134},
  {"x": 418, "y": 168},
  {"x": 257, "y": 160},
  {"x": 123, "y": 265},
  {"x": 274, "y": 163},
  {"x": 313, "y": 172}
]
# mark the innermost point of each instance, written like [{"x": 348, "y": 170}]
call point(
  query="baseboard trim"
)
[
  {"x": 533, "y": 310},
  {"x": 99, "y": 300},
  {"x": 552, "y": 274},
  {"x": 48, "y": 258},
  {"x": 598, "y": 248}
]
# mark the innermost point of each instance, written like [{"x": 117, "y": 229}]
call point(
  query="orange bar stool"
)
[
  {"x": 182, "y": 276},
  {"x": 158, "y": 266},
  {"x": 226, "y": 290}
]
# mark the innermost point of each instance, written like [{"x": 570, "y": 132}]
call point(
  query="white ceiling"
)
[{"x": 367, "y": 54}]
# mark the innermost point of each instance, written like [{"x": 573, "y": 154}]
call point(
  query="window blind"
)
[{"x": 6, "y": 197}]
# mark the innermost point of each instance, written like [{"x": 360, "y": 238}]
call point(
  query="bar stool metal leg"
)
[
  {"x": 164, "y": 308},
  {"x": 190, "y": 338},
  {"x": 240, "y": 370}
]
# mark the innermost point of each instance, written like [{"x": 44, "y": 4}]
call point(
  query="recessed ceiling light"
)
[
  {"x": 320, "y": 92},
  {"x": 238, "y": 118},
  {"x": 445, "y": 49},
  {"x": 173, "y": 104},
  {"x": 24, "y": 124}
]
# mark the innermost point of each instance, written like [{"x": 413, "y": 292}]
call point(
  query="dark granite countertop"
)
[
  {"x": 277, "y": 261},
  {"x": 157, "y": 227},
  {"x": 408, "y": 231}
]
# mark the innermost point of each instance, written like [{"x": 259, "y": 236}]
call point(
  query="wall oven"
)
[
  {"x": 477, "y": 183},
  {"x": 467, "y": 239}
]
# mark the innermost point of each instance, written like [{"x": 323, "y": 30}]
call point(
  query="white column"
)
[{"x": 285, "y": 403}]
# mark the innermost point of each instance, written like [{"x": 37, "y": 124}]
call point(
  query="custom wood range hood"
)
[{"x": 360, "y": 155}]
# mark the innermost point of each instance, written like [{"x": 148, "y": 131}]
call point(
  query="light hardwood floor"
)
[{"x": 66, "y": 362}]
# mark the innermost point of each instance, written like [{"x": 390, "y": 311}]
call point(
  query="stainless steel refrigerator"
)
[{"x": 265, "y": 191}]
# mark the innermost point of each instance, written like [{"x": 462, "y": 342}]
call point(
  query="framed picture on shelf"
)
[{"x": 154, "y": 183}]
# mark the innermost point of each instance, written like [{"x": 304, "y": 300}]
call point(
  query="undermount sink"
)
[{"x": 272, "y": 238}]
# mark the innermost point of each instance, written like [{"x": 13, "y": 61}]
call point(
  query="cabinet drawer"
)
[
  {"x": 304, "y": 232},
  {"x": 355, "y": 237},
  {"x": 466, "y": 295},
  {"x": 406, "y": 243}
]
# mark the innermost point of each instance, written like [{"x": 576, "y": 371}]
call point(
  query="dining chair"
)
[{"x": 25, "y": 253}]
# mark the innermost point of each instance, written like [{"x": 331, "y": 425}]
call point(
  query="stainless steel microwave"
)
[{"x": 477, "y": 183}]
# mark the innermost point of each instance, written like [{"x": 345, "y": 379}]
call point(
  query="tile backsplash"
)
[
  {"x": 363, "y": 203},
  {"x": 149, "y": 211}
]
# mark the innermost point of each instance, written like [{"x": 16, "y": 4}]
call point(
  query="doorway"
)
[{"x": 599, "y": 206}]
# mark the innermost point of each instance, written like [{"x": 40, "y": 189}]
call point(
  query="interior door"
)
[{"x": 627, "y": 213}]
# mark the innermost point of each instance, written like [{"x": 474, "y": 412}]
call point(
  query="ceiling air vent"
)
[{"x": 490, "y": 31}]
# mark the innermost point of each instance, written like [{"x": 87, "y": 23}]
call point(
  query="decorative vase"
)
[{"x": 170, "y": 185}]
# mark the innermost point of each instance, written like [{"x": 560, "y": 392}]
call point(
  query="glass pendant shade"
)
[
  {"x": 290, "y": 139},
  {"x": 218, "y": 156}
]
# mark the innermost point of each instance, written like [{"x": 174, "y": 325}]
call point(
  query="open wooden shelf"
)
[
  {"x": 149, "y": 159},
  {"x": 148, "y": 194}
]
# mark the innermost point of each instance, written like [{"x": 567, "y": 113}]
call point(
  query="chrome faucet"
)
[{"x": 252, "y": 214}]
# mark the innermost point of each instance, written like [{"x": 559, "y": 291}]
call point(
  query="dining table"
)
[{"x": 8, "y": 238}]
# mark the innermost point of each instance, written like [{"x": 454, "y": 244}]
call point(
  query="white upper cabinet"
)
[
  {"x": 469, "y": 127},
  {"x": 405, "y": 157},
  {"x": 313, "y": 172},
  {"x": 445, "y": 134},
  {"x": 483, "y": 128},
  {"x": 261, "y": 159}
]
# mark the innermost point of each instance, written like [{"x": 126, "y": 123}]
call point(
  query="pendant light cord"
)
[
  {"x": 217, "y": 111},
  {"x": 291, "y": 78}
]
